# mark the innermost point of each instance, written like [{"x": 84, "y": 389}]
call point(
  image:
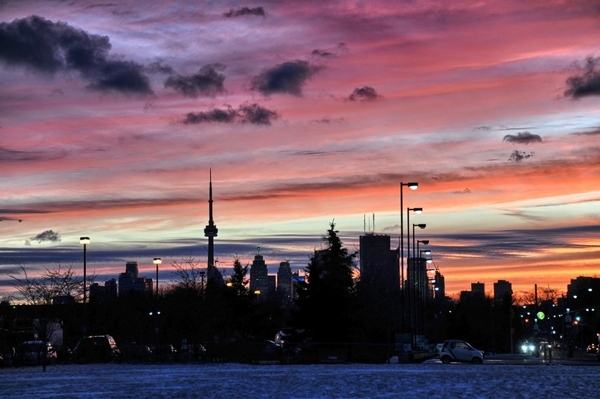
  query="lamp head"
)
[
  {"x": 421, "y": 225},
  {"x": 157, "y": 261},
  {"x": 413, "y": 186},
  {"x": 424, "y": 242},
  {"x": 84, "y": 240},
  {"x": 418, "y": 210}
]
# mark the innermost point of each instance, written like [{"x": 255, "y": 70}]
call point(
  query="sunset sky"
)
[{"x": 307, "y": 112}]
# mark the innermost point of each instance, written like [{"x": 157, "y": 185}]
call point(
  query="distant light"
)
[
  {"x": 157, "y": 261},
  {"x": 84, "y": 240}
]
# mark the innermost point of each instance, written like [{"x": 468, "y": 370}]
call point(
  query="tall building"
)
[
  {"x": 297, "y": 279},
  {"x": 478, "y": 290},
  {"x": 502, "y": 288},
  {"x": 104, "y": 293},
  {"x": 131, "y": 281},
  {"x": 439, "y": 286},
  {"x": 210, "y": 231},
  {"x": 583, "y": 284},
  {"x": 378, "y": 263},
  {"x": 284, "y": 281},
  {"x": 259, "y": 276}
]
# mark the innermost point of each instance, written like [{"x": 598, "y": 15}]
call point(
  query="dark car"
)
[
  {"x": 592, "y": 348},
  {"x": 460, "y": 351},
  {"x": 96, "y": 349},
  {"x": 35, "y": 352},
  {"x": 267, "y": 352}
]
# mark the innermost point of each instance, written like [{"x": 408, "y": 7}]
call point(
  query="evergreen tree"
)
[{"x": 325, "y": 298}]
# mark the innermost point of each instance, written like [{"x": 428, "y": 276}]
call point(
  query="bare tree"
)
[
  {"x": 57, "y": 281},
  {"x": 190, "y": 275},
  {"x": 543, "y": 294}
]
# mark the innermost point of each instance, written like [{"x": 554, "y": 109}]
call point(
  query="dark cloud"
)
[
  {"x": 586, "y": 84},
  {"x": 159, "y": 67},
  {"x": 465, "y": 191},
  {"x": 523, "y": 138},
  {"x": 215, "y": 115},
  {"x": 257, "y": 115},
  {"x": 364, "y": 93},
  {"x": 241, "y": 11},
  {"x": 288, "y": 77},
  {"x": 322, "y": 53},
  {"x": 518, "y": 156},
  {"x": 48, "y": 235},
  {"x": 48, "y": 47},
  {"x": 207, "y": 82},
  {"x": 246, "y": 113},
  {"x": 124, "y": 76},
  {"x": 483, "y": 127}
]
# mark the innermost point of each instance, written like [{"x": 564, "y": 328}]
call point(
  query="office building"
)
[
  {"x": 378, "y": 263},
  {"x": 259, "y": 276},
  {"x": 284, "y": 281},
  {"x": 131, "y": 281}
]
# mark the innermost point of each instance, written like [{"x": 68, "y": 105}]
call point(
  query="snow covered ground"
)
[{"x": 431, "y": 379}]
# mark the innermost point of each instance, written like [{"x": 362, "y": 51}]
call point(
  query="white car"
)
[
  {"x": 438, "y": 349},
  {"x": 460, "y": 351}
]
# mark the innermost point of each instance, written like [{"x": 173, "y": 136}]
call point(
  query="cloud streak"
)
[
  {"x": 523, "y": 138},
  {"x": 243, "y": 11},
  {"x": 245, "y": 113}
]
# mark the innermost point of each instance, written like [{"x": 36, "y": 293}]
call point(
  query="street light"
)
[
  {"x": 421, "y": 226},
  {"x": 157, "y": 261},
  {"x": 418, "y": 211},
  {"x": 413, "y": 186},
  {"x": 411, "y": 287},
  {"x": 84, "y": 241}
]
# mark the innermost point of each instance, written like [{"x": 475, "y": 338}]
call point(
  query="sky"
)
[{"x": 114, "y": 114}]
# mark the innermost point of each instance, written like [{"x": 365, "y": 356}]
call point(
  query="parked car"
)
[
  {"x": 35, "y": 352},
  {"x": 592, "y": 348},
  {"x": 460, "y": 351},
  {"x": 96, "y": 349},
  {"x": 438, "y": 349},
  {"x": 268, "y": 352}
]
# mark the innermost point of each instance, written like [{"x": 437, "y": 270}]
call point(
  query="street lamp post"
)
[
  {"x": 417, "y": 273},
  {"x": 156, "y": 261},
  {"x": 413, "y": 186},
  {"x": 408, "y": 266},
  {"x": 84, "y": 241}
]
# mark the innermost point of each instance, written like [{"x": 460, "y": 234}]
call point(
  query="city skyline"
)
[{"x": 112, "y": 115}]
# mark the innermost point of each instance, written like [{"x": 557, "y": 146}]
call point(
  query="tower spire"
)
[{"x": 210, "y": 231}]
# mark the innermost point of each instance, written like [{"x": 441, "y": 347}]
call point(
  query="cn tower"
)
[{"x": 210, "y": 231}]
